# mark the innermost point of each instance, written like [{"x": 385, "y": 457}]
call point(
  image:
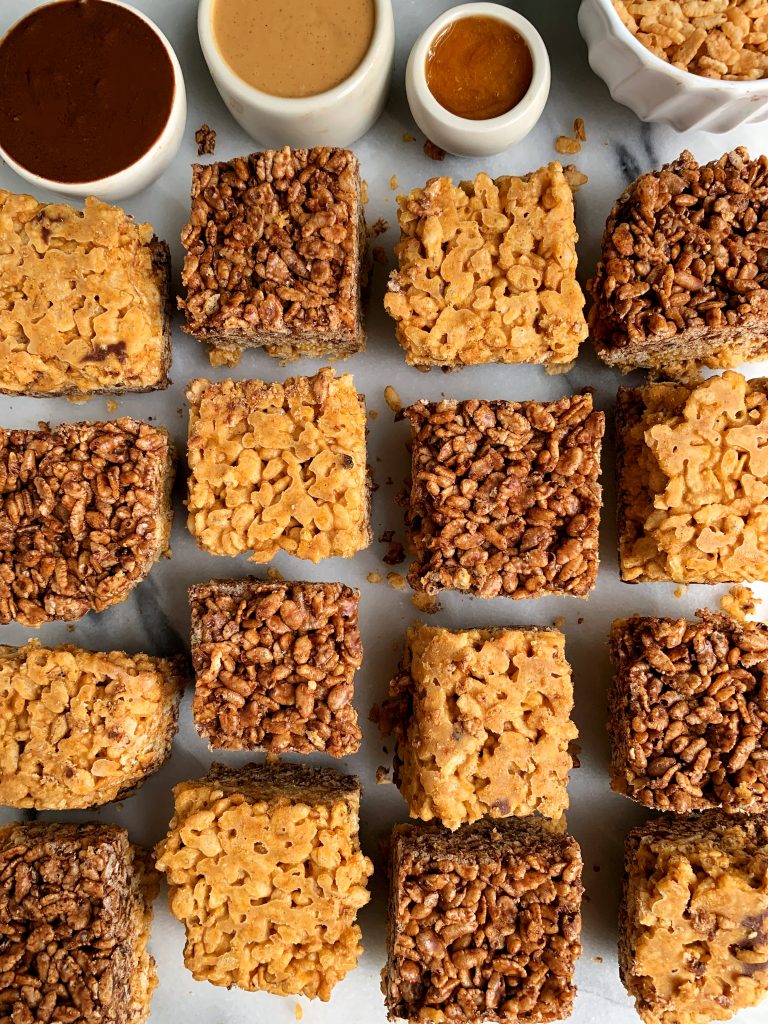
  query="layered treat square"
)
[
  {"x": 682, "y": 280},
  {"x": 86, "y": 512},
  {"x": 266, "y": 873},
  {"x": 693, "y": 941},
  {"x": 693, "y": 481},
  {"x": 80, "y": 728},
  {"x": 484, "y": 923},
  {"x": 275, "y": 246},
  {"x": 278, "y": 467},
  {"x": 481, "y": 719},
  {"x": 84, "y": 300},
  {"x": 487, "y": 272},
  {"x": 504, "y": 498},
  {"x": 275, "y": 665},
  {"x": 688, "y": 718},
  {"x": 75, "y": 917}
]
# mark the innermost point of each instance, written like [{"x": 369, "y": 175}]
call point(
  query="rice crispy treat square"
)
[
  {"x": 75, "y": 916},
  {"x": 484, "y": 923},
  {"x": 481, "y": 720},
  {"x": 86, "y": 512},
  {"x": 688, "y": 718},
  {"x": 84, "y": 300},
  {"x": 82, "y": 728},
  {"x": 278, "y": 467},
  {"x": 504, "y": 497},
  {"x": 265, "y": 871},
  {"x": 275, "y": 255},
  {"x": 693, "y": 941},
  {"x": 275, "y": 665},
  {"x": 693, "y": 481},
  {"x": 682, "y": 282},
  {"x": 487, "y": 272}
]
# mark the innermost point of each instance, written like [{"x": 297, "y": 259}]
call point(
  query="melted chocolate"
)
[{"x": 86, "y": 88}]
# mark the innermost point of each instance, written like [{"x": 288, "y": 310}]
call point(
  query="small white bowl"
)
[
  {"x": 146, "y": 169},
  {"x": 460, "y": 135},
  {"x": 336, "y": 117},
  {"x": 658, "y": 91}
]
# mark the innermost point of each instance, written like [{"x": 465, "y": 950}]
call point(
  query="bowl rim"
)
[
  {"x": 378, "y": 50},
  {"x": 687, "y": 78},
  {"x": 83, "y": 188},
  {"x": 540, "y": 80}
]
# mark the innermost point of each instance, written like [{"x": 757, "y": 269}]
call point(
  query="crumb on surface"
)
[
  {"x": 205, "y": 137},
  {"x": 373, "y": 414},
  {"x": 382, "y": 775},
  {"x": 563, "y": 144},
  {"x": 433, "y": 151},
  {"x": 377, "y": 228},
  {"x": 740, "y": 602},
  {"x": 379, "y": 254},
  {"x": 112, "y": 405},
  {"x": 374, "y": 577},
  {"x": 559, "y": 622},
  {"x": 575, "y": 178},
  {"x": 396, "y": 580},
  {"x": 407, "y": 137},
  {"x": 394, "y": 184},
  {"x": 392, "y": 398},
  {"x": 579, "y": 130},
  {"x": 426, "y": 603}
]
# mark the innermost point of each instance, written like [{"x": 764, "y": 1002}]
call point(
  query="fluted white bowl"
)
[{"x": 657, "y": 91}]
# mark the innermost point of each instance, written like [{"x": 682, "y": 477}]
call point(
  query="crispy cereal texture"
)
[
  {"x": 275, "y": 246},
  {"x": 693, "y": 481},
  {"x": 484, "y": 923},
  {"x": 487, "y": 272},
  {"x": 278, "y": 467},
  {"x": 75, "y": 917},
  {"x": 275, "y": 665},
  {"x": 693, "y": 941},
  {"x": 84, "y": 300},
  {"x": 688, "y": 716},
  {"x": 481, "y": 719},
  {"x": 682, "y": 280},
  {"x": 85, "y": 513},
  {"x": 266, "y": 873},
  {"x": 80, "y": 728},
  {"x": 504, "y": 498},
  {"x": 725, "y": 39}
]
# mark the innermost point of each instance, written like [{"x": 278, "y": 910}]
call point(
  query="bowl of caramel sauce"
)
[
  {"x": 478, "y": 79},
  {"x": 92, "y": 100},
  {"x": 315, "y": 72}
]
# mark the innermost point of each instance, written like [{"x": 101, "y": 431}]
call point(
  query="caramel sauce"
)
[
  {"x": 86, "y": 88},
  {"x": 479, "y": 68},
  {"x": 294, "y": 49}
]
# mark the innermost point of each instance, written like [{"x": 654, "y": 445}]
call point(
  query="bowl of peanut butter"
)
[{"x": 316, "y": 72}]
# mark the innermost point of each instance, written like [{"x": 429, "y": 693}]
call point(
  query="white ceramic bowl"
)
[
  {"x": 145, "y": 170},
  {"x": 336, "y": 117},
  {"x": 460, "y": 135},
  {"x": 657, "y": 91}
]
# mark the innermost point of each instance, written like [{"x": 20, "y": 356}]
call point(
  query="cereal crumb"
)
[
  {"x": 389, "y": 482},
  {"x": 382, "y": 776},
  {"x": 579, "y": 620},
  {"x": 112, "y": 405},
  {"x": 274, "y": 575},
  {"x": 559, "y": 622},
  {"x": 386, "y": 537},
  {"x": 396, "y": 580},
  {"x": 379, "y": 254},
  {"x": 299, "y": 1012},
  {"x": 565, "y": 145},
  {"x": 681, "y": 590},
  {"x": 364, "y": 191},
  {"x": 596, "y": 868},
  {"x": 575, "y": 178},
  {"x": 392, "y": 399},
  {"x": 373, "y": 414},
  {"x": 377, "y": 228},
  {"x": 433, "y": 151},
  {"x": 395, "y": 554},
  {"x": 374, "y": 577},
  {"x": 205, "y": 138},
  {"x": 597, "y": 959},
  {"x": 78, "y": 399},
  {"x": 579, "y": 129},
  {"x": 407, "y": 137},
  {"x": 394, "y": 183},
  {"x": 740, "y": 602},
  {"x": 426, "y": 603},
  {"x": 70, "y": 628}
]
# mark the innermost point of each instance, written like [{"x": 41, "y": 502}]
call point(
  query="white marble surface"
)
[{"x": 156, "y": 619}]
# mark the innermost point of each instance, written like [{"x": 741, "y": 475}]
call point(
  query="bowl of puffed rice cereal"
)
[{"x": 699, "y": 64}]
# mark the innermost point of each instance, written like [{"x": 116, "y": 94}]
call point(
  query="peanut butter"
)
[{"x": 295, "y": 50}]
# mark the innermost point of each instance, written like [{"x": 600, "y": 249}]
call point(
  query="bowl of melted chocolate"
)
[{"x": 75, "y": 116}]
